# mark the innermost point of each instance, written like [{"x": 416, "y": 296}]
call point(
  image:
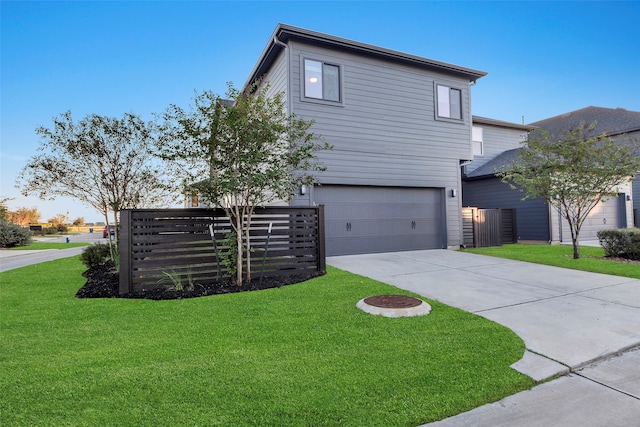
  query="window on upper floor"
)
[
  {"x": 449, "y": 102},
  {"x": 321, "y": 80},
  {"x": 477, "y": 141}
]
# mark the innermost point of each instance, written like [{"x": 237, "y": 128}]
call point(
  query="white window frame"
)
[
  {"x": 303, "y": 82},
  {"x": 443, "y": 102},
  {"x": 477, "y": 136}
]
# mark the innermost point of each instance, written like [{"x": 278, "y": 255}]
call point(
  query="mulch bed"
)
[{"x": 103, "y": 282}]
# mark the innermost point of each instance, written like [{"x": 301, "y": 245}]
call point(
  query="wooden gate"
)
[{"x": 488, "y": 227}]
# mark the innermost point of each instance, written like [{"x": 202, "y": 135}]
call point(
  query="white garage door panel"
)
[{"x": 603, "y": 217}]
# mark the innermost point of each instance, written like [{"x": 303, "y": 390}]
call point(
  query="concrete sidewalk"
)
[{"x": 568, "y": 320}]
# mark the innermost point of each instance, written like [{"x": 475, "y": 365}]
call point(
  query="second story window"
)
[
  {"x": 477, "y": 141},
  {"x": 321, "y": 80},
  {"x": 449, "y": 102}
]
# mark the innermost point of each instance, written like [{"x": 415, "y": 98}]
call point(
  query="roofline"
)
[
  {"x": 284, "y": 33},
  {"x": 634, "y": 128},
  {"x": 500, "y": 123}
]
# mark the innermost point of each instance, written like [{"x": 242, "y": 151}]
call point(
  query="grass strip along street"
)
[
  {"x": 49, "y": 245},
  {"x": 298, "y": 355}
]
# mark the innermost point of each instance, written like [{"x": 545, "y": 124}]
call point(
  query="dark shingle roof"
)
[
  {"x": 613, "y": 121},
  {"x": 494, "y": 165}
]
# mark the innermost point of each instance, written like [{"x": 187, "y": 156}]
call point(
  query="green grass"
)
[
  {"x": 49, "y": 245},
  {"x": 301, "y": 355},
  {"x": 562, "y": 256}
]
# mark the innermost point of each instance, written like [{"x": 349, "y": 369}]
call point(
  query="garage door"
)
[
  {"x": 381, "y": 219},
  {"x": 605, "y": 216}
]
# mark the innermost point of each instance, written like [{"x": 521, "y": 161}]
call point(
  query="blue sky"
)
[{"x": 108, "y": 58}]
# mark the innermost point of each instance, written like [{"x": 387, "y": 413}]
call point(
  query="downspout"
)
[
  {"x": 288, "y": 61},
  {"x": 287, "y": 54}
]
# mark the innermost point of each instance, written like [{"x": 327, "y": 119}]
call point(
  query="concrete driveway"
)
[{"x": 572, "y": 322}]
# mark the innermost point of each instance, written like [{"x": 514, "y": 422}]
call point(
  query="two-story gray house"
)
[{"x": 400, "y": 126}]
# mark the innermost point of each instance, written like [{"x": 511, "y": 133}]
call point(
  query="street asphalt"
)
[
  {"x": 10, "y": 259},
  {"x": 583, "y": 328}
]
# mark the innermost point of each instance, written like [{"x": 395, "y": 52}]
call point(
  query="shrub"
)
[
  {"x": 623, "y": 243},
  {"x": 13, "y": 235},
  {"x": 95, "y": 255},
  {"x": 50, "y": 230}
]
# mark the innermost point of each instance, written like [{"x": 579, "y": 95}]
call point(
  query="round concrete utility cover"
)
[{"x": 394, "y": 306}]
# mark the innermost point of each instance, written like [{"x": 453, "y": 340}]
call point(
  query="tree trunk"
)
[
  {"x": 576, "y": 245},
  {"x": 248, "y": 247},
  {"x": 239, "y": 245}
]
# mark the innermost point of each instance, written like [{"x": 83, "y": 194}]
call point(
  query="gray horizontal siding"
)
[
  {"x": 532, "y": 215},
  {"x": 387, "y": 108},
  {"x": 384, "y": 133},
  {"x": 277, "y": 77},
  {"x": 378, "y": 169},
  {"x": 496, "y": 140}
]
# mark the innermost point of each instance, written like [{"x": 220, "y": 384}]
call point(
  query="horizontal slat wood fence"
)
[{"x": 159, "y": 246}]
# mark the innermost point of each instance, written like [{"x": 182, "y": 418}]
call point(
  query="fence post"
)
[
  {"x": 125, "y": 252},
  {"x": 322, "y": 255}
]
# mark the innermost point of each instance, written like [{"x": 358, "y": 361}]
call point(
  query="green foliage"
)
[
  {"x": 50, "y": 230},
  {"x": 301, "y": 355},
  {"x": 4, "y": 211},
  {"x": 95, "y": 255},
  {"x": 179, "y": 281},
  {"x": 229, "y": 254},
  {"x": 573, "y": 171},
  {"x": 241, "y": 154},
  {"x": 104, "y": 162},
  {"x": 12, "y": 235},
  {"x": 623, "y": 243}
]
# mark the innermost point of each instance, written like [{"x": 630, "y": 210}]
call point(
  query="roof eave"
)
[
  {"x": 283, "y": 33},
  {"x": 501, "y": 123}
]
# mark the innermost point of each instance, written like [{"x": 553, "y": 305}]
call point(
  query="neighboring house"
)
[
  {"x": 622, "y": 125},
  {"x": 400, "y": 126},
  {"x": 482, "y": 189},
  {"x": 535, "y": 219}
]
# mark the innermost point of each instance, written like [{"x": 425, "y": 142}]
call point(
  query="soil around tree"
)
[{"x": 103, "y": 282}]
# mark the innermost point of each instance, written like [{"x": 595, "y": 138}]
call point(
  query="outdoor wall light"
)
[
  {"x": 628, "y": 197},
  {"x": 454, "y": 192},
  {"x": 303, "y": 190}
]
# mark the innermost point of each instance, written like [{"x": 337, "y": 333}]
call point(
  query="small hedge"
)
[
  {"x": 95, "y": 255},
  {"x": 623, "y": 243},
  {"x": 13, "y": 235}
]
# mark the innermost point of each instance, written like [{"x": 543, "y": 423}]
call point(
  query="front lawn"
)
[
  {"x": 300, "y": 355},
  {"x": 592, "y": 258}
]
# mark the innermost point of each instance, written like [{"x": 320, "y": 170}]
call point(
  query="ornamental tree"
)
[
  {"x": 573, "y": 171},
  {"x": 104, "y": 162},
  {"x": 241, "y": 152}
]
